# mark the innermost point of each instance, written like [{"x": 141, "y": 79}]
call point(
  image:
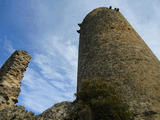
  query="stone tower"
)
[
  {"x": 11, "y": 74},
  {"x": 110, "y": 48}
]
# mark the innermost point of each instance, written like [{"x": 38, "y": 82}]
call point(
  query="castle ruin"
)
[
  {"x": 11, "y": 74},
  {"x": 110, "y": 48}
]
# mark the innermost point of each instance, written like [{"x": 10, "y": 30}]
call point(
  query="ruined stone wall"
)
[
  {"x": 11, "y": 74},
  {"x": 110, "y": 48}
]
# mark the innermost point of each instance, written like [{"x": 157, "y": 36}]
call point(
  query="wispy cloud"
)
[
  {"x": 38, "y": 94},
  {"x": 7, "y": 45},
  {"x": 57, "y": 57},
  {"x": 53, "y": 77},
  {"x": 6, "y": 48}
]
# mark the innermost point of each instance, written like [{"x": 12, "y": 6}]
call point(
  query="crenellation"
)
[
  {"x": 79, "y": 24},
  {"x": 78, "y": 31}
]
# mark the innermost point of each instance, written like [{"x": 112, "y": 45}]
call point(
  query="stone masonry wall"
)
[
  {"x": 11, "y": 74},
  {"x": 110, "y": 48}
]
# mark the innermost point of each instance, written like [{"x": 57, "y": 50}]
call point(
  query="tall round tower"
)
[{"x": 110, "y": 48}]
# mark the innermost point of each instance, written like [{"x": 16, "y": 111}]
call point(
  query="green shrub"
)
[{"x": 103, "y": 100}]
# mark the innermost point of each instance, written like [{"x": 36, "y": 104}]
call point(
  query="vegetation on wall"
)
[{"x": 100, "y": 101}]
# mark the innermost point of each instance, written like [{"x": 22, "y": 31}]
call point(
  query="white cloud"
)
[
  {"x": 59, "y": 55},
  {"x": 7, "y": 45},
  {"x": 37, "y": 94},
  {"x": 53, "y": 77}
]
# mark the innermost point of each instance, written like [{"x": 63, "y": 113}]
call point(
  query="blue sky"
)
[{"x": 47, "y": 30}]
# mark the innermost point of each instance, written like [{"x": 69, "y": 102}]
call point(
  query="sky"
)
[{"x": 46, "y": 29}]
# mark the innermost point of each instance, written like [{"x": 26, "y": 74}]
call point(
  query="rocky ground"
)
[{"x": 60, "y": 111}]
